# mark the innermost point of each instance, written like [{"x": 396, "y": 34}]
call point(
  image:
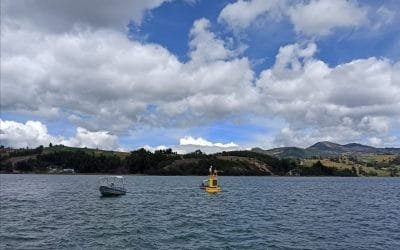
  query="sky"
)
[{"x": 199, "y": 74}]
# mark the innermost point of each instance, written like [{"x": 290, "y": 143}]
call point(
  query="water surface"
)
[{"x": 160, "y": 212}]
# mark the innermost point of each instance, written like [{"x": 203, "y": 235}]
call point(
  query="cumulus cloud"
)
[
  {"x": 188, "y": 140},
  {"x": 34, "y": 133},
  {"x": 92, "y": 139},
  {"x": 84, "y": 69},
  {"x": 205, "y": 46},
  {"x": 318, "y": 17},
  {"x": 343, "y": 103},
  {"x": 79, "y": 67},
  {"x": 312, "y": 18},
  {"x": 63, "y": 15},
  {"x": 241, "y": 14},
  {"x": 103, "y": 80},
  {"x": 188, "y": 144},
  {"x": 20, "y": 135}
]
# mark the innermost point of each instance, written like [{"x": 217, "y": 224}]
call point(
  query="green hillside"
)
[{"x": 57, "y": 158}]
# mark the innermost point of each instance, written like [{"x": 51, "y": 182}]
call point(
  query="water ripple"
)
[{"x": 64, "y": 212}]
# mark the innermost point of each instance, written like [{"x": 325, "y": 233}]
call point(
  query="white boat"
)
[{"x": 112, "y": 186}]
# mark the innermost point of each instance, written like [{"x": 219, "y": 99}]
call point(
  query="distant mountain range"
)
[{"x": 324, "y": 149}]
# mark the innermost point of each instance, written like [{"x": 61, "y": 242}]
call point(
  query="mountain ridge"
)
[{"x": 324, "y": 149}]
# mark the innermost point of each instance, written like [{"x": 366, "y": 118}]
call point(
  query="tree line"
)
[{"x": 164, "y": 162}]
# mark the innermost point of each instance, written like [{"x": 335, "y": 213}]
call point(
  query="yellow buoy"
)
[{"x": 212, "y": 184}]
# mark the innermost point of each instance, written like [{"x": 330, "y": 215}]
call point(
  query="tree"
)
[{"x": 354, "y": 170}]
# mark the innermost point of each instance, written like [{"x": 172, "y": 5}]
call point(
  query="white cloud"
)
[
  {"x": 189, "y": 140},
  {"x": 320, "y": 17},
  {"x": 95, "y": 139},
  {"x": 103, "y": 80},
  {"x": 184, "y": 149},
  {"x": 288, "y": 63},
  {"x": 34, "y": 133},
  {"x": 344, "y": 103},
  {"x": 19, "y": 135},
  {"x": 189, "y": 144},
  {"x": 312, "y": 18},
  {"x": 93, "y": 74},
  {"x": 374, "y": 141},
  {"x": 152, "y": 149},
  {"x": 241, "y": 14},
  {"x": 205, "y": 47}
]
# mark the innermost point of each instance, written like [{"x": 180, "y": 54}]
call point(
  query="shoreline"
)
[{"x": 108, "y": 174}]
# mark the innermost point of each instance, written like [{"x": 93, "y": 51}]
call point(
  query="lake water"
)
[{"x": 160, "y": 212}]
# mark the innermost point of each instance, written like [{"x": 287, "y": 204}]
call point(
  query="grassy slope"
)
[{"x": 347, "y": 163}]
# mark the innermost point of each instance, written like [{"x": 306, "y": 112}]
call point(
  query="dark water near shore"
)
[{"x": 66, "y": 212}]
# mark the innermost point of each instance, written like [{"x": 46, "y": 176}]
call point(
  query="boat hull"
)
[
  {"x": 213, "y": 189},
  {"x": 109, "y": 191}
]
